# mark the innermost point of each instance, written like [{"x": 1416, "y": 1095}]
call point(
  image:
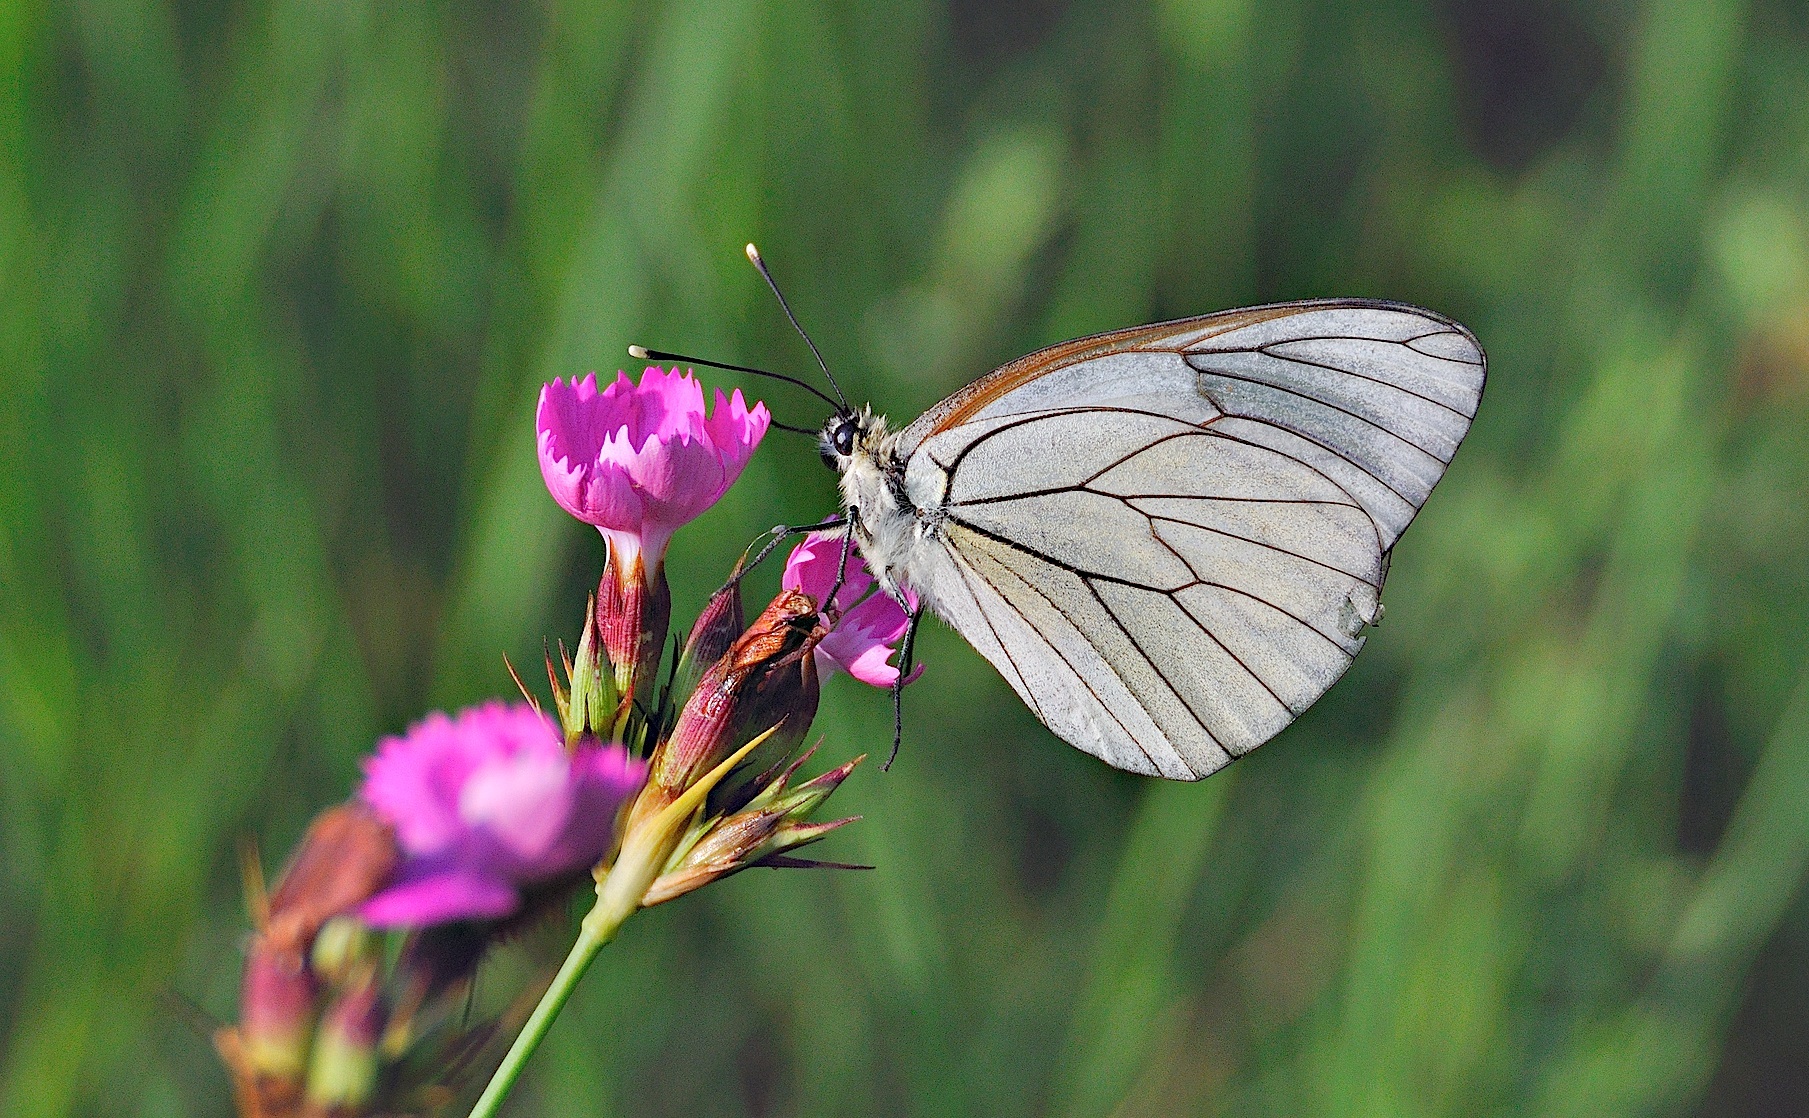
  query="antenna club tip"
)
[
  {"x": 639, "y": 353},
  {"x": 753, "y": 254}
]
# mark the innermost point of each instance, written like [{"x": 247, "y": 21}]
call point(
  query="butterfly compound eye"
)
[{"x": 844, "y": 436}]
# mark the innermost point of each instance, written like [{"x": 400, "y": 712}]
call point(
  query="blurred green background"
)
[{"x": 278, "y": 282}]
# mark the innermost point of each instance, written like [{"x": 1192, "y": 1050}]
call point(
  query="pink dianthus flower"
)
[
  {"x": 867, "y": 622},
  {"x": 641, "y": 461},
  {"x": 485, "y": 803}
]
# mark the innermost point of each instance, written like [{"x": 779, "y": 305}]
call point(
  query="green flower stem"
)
[
  {"x": 644, "y": 855},
  {"x": 618, "y": 896},
  {"x": 591, "y": 939}
]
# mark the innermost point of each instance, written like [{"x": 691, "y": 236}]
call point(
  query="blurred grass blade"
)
[
  {"x": 1759, "y": 866},
  {"x": 1130, "y": 982},
  {"x": 1655, "y": 1056},
  {"x": 515, "y": 543}
]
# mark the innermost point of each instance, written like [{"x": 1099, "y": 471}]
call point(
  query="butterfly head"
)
[{"x": 849, "y": 435}]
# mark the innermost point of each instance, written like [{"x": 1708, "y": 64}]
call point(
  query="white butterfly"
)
[{"x": 1169, "y": 539}]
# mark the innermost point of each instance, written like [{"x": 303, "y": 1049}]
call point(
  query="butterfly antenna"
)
[
  {"x": 808, "y": 432},
  {"x": 642, "y": 353},
  {"x": 753, "y": 255}
]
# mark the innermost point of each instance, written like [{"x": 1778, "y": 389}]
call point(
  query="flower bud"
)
[
  {"x": 342, "y": 1075},
  {"x": 775, "y": 820},
  {"x": 276, "y": 1022},
  {"x": 784, "y": 697},
  {"x": 716, "y": 628},
  {"x": 348, "y": 854},
  {"x": 343, "y": 946},
  {"x": 766, "y": 679},
  {"x": 650, "y": 843},
  {"x": 799, "y": 802},
  {"x": 594, "y": 701}
]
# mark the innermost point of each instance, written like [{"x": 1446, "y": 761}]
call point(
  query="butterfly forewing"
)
[{"x": 1169, "y": 539}]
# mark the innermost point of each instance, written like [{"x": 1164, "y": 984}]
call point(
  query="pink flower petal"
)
[
  {"x": 413, "y": 782},
  {"x": 867, "y": 631},
  {"x": 523, "y": 801},
  {"x": 642, "y": 460},
  {"x": 812, "y": 567},
  {"x": 454, "y": 894},
  {"x": 871, "y": 664},
  {"x": 488, "y": 801},
  {"x": 878, "y": 618}
]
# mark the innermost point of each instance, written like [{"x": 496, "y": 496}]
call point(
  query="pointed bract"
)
[{"x": 775, "y": 821}]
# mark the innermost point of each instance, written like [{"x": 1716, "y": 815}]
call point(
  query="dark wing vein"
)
[
  {"x": 1199, "y": 579},
  {"x": 1180, "y": 695},
  {"x": 1407, "y": 342},
  {"x": 1395, "y": 435},
  {"x": 1189, "y": 431},
  {"x": 1050, "y": 413},
  {"x": 1087, "y": 578},
  {"x": 1260, "y": 600},
  {"x": 1331, "y": 450},
  {"x": 1152, "y": 517},
  {"x": 1079, "y": 487},
  {"x": 1239, "y": 660},
  {"x": 1277, "y": 548},
  {"x": 1063, "y": 656},
  {"x": 1353, "y": 373},
  {"x": 1198, "y": 718},
  {"x": 964, "y": 569},
  {"x": 1208, "y": 432}
]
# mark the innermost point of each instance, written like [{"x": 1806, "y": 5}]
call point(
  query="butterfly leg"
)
[
  {"x": 905, "y": 649},
  {"x": 841, "y": 566},
  {"x": 779, "y": 533}
]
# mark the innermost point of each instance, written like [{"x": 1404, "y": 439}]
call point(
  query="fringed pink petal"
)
[
  {"x": 492, "y": 796},
  {"x": 454, "y": 894},
  {"x": 642, "y": 459}
]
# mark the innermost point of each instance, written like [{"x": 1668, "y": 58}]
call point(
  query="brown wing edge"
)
[{"x": 956, "y": 409}]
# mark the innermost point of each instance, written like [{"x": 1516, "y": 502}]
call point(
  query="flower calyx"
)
[
  {"x": 760, "y": 832},
  {"x": 765, "y": 684}
]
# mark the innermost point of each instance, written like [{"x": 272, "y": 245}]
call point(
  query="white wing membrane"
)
[
  {"x": 1389, "y": 390},
  {"x": 1051, "y": 450},
  {"x": 1169, "y": 541}
]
